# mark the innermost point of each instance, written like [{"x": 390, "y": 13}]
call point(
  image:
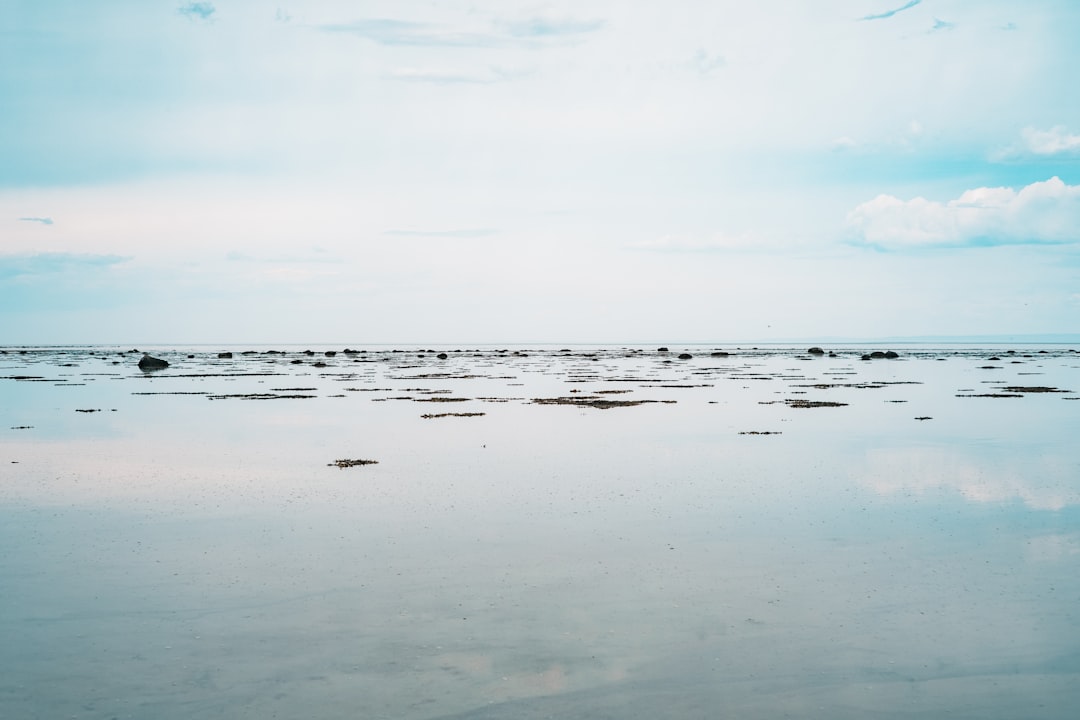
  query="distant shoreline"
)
[{"x": 1066, "y": 339}]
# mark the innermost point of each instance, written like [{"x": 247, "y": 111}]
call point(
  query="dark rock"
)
[
  {"x": 891, "y": 355},
  {"x": 877, "y": 355},
  {"x": 661, "y": 349},
  {"x": 865, "y": 357},
  {"x": 686, "y": 356},
  {"x": 152, "y": 363},
  {"x": 330, "y": 353},
  {"x": 225, "y": 355},
  {"x": 442, "y": 356},
  {"x": 719, "y": 353},
  {"x": 816, "y": 351}
]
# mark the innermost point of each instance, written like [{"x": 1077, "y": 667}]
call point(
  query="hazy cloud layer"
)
[
  {"x": 42, "y": 220},
  {"x": 717, "y": 242},
  {"x": 465, "y": 233},
  {"x": 538, "y": 27},
  {"x": 392, "y": 31},
  {"x": 443, "y": 75},
  {"x": 25, "y": 264},
  {"x": 1040, "y": 213}
]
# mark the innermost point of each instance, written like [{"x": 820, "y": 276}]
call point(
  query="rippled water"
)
[{"x": 180, "y": 544}]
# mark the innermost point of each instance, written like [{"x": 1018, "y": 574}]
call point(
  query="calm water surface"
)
[{"x": 187, "y": 550}]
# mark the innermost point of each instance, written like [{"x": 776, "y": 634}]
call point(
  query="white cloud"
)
[
  {"x": 1043, "y": 212},
  {"x": 1057, "y": 141}
]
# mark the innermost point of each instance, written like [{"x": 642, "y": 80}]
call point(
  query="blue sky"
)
[{"x": 330, "y": 171}]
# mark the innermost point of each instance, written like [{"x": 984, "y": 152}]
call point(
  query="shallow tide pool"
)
[{"x": 547, "y": 532}]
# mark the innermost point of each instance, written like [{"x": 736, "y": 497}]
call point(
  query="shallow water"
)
[{"x": 187, "y": 551}]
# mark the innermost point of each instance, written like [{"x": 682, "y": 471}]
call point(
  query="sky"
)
[{"x": 377, "y": 171}]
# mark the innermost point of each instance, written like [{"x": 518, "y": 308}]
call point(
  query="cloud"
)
[
  {"x": 1055, "y": 141},
  {"x": 449, "y": 76},
  {"x": 890, "y": 13},
  {"x": 468, "y": 233},
  {"x": 540, "y": 27},
  {"x": 200, "y": 10},
  {"x": 28, "y": 264},
  {"x": 1044, "y": 212},
  {"x": 388, "y": 31},
  {"x": 42, "y": 220}
]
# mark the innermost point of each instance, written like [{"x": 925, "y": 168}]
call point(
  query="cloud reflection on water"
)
[{"x": 1040, "y": 481}]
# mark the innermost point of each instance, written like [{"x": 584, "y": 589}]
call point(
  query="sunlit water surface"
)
[{"x": 179, "y": 544}]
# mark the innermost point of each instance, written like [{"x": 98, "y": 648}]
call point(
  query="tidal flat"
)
[{"x": 542, "y": 531}]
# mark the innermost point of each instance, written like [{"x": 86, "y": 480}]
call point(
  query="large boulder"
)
[
  {"x": 816, "y": 351},
  {"x": 148, "y": 362}
]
